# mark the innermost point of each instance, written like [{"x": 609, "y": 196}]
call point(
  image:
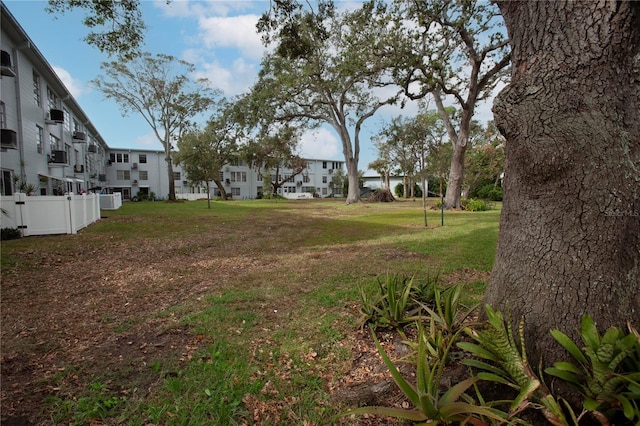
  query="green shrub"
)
[
  {"x": 474, "y": 205},
  {"x": 10, "y": 234},
  {"x": 490, "y": 192},
  {"x": 399, "y": 190}
]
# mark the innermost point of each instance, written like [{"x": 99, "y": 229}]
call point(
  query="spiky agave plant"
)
[
  {"x": 606, "y": 371},
  {"x": 433, "y": 405},
  {"x": 503, "y": 359}
]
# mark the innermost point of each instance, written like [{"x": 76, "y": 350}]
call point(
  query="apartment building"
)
[
  {"x": 50, "y": 147},
  {"x": 135, "y": 172},
  {"x": 48, "y": 144}
]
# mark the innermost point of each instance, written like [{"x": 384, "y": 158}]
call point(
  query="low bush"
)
[
  {"x": 474, "y": 205},
  {"x": 10, "y": 234}
]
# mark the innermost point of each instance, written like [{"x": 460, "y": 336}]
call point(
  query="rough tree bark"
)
[{"x": 569, "y": 241}]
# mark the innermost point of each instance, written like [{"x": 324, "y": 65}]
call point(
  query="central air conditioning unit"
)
[
  {"x": 78, "y": 168},
  {"x": 5, "y": 64},
  {"x": 9, "y": 139},
  {"x": 79, "y": 136},
  {"x": 59, "y": 157},
  {"x": 93, "y": 148},
  {"x": 56, "y": 115},
  {"x": 134, "y": 165}
]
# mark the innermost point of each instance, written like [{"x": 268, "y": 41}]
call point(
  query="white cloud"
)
[
  {"x": 190, "y": 8},
  {"x": 76, "y": 87},
  {"x": 320, "y": 144},
  {"x": 234, "y": 80},
  {"x": 232, "y": 32}
]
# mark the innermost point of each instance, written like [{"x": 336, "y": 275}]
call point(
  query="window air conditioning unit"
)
[
  {"x": 93, "y": 148},
  {"x": 330, "y": 171},
  {"x": 78, "y": 168},
  {"x": 5, "y": 64},
  {"x": 59, "y": 157},
  {"x": 134, "y": 165},
  {"x": 102, "y": 178},
  {"x": 79, "y": 136},
  {"x": 109, "y": 162},
  {"x": 227, "y": 181},
  {"x": 134, "y": 182},
  {"x": 56, "y": 115},
  {"x": 298, "y": 183},
  {"x": 9, "y": 139}
]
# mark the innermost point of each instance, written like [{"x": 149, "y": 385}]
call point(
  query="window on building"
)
[
  {"x": 37, "y": 94},
  {"x": 144, "y": 175},
  {"x": 306, "y": 178},
  {"x": 119, "y": 157},
  {"x": 3, "y": 116},
  {"x": 67, "y": 120},
  {"x": 39, "y": 139},
  {"x": 238, "y": 176},
  {"x": 324, "y": 179},
  {"x": 54, "y": 142},
  {"x": 176, "y": 176},
  {"x": 76, "y": 125},
  {"x": 324, "y": 164},
  {"x": 142, "y": 158},
  {"x": 52, "y": 99},
  {"x": 123, "y": 174},
  {"x": 7, "y": 188},
  {"x": 235, "y": 192}
]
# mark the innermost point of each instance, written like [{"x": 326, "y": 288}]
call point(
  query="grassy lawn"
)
[{"x": 245, "y": 313}]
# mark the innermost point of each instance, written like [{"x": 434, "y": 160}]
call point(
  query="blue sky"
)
[{"x": 218, "y": 37}]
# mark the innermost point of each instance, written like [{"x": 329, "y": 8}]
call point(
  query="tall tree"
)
[
  {"x": 403, "y": 141},
  {"x": 160, "y": 90},
  {"x": 328, "y": 68},
  {"x": 116, "y": 26},
  {"x": 204, "y": 153},
  {"x": 569, "y": 241},
  {"x": 452, "y": 49},
  {"x": 273, "y": 156}
]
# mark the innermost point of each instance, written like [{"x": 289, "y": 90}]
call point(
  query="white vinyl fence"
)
[
  {"x": 111, "y": 201},
  {"x": 48, "y": 214}
]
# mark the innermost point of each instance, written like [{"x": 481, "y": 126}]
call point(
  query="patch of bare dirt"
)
[{"x": 88, "y": 309}]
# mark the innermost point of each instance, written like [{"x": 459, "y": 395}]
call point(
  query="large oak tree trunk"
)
[
  {"x": 353, "y": 195},
  {"x": 569, "y": 240},
  {"x": 456, "y": 176}
]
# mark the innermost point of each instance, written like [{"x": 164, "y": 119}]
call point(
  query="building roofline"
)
[{"x": 12, "y": 27}]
